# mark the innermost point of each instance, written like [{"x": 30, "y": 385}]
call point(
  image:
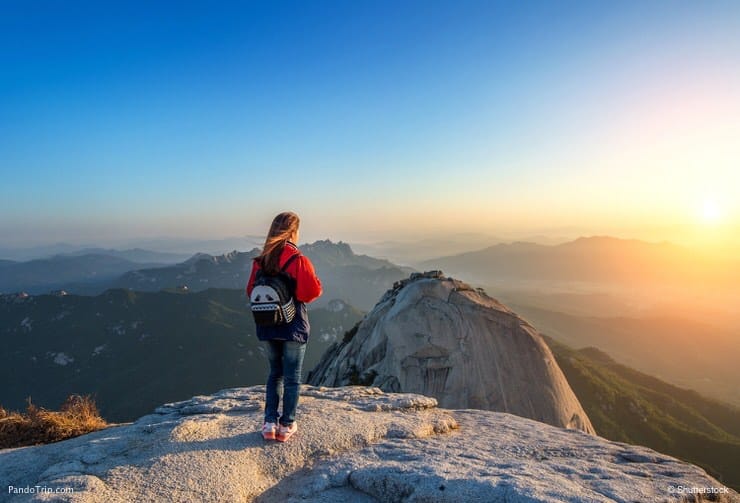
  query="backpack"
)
[{"x": 272, "y": 297}]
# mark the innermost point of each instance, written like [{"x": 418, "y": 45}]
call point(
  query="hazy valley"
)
[{"x": 135, "y": 350}]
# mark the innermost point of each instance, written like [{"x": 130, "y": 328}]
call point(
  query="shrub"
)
[{"x": 76, "y": 416}]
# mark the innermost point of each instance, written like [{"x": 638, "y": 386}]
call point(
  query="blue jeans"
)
[{"x": 286, "y": 362}]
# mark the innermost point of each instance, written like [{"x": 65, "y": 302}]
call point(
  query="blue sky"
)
[{"x": 371, "y": 119}]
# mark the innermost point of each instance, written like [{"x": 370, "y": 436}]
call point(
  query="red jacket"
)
[{"x": 308, "y": 285}]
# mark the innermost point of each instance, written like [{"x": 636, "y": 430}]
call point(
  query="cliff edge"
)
[{"x": 355, "y": 444}]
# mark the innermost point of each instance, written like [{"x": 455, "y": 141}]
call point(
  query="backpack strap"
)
[{"x": 289, "y": 261}]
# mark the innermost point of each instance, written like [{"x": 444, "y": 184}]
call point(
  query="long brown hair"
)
[{"x": 283, "y": 226}]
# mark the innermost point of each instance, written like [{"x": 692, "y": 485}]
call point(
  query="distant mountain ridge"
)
[
  {"x": 359, "y": 279},
  {"x": 62, "y": 271},
  {"x": 590, "y": 259},
  {"x": 182, "y": 247},
  {"x": 137, "y": 255},
  {"x": 39, "y": 252}
]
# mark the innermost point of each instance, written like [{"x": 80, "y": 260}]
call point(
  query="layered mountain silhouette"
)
[
  {"x": 590, "y": 259},
  {"x": 437, "y": 336},
  {"x": 169, "y": 248},
  {"x": 138, "y": 255},
  {"x": 71, "y": 272},
  {"x": 358, "y": 279}
]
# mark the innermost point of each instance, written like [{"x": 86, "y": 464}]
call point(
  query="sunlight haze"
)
[{"x": 436, "y": 120}]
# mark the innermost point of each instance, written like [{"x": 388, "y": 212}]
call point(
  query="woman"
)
[{"x": 286, "y": 344}]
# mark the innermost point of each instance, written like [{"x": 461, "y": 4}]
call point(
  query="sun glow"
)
[{"x": 710, "y": 211}]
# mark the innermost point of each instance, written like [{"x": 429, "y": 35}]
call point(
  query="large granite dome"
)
[{"x": 439, "y": 337}]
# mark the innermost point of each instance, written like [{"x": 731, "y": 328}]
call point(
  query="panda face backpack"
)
[{"x": 272, "y": 297}]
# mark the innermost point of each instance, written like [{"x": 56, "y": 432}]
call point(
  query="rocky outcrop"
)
[
  {"x": 354, "y": 444},
  {"x": 439, "y": 337}
]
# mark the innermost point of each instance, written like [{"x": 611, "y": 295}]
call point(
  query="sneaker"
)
[
  {"x": 269, "y": 430},
  {"x": 285, "y": 432}
]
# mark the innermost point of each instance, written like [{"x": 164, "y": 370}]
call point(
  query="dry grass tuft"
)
[{"x": 77, "y": 415}]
